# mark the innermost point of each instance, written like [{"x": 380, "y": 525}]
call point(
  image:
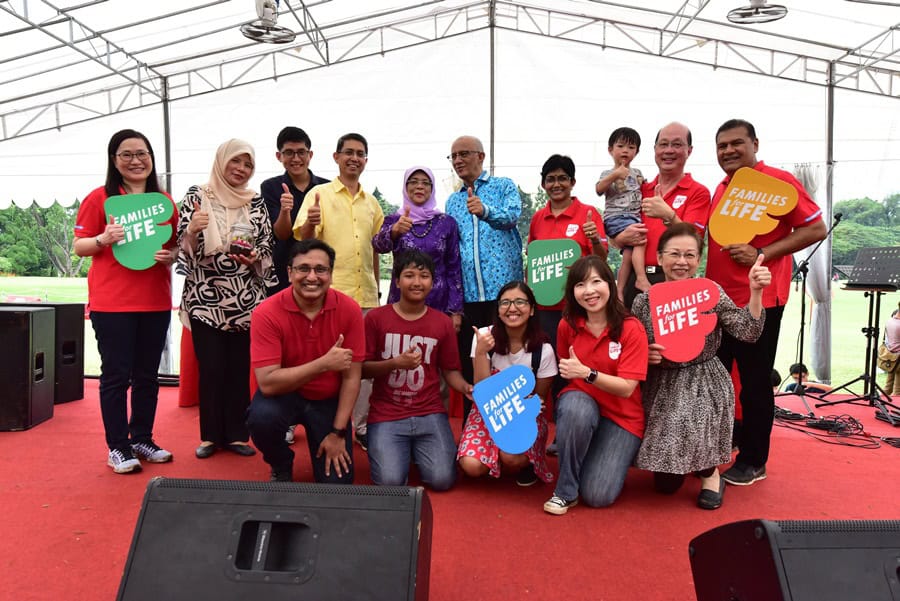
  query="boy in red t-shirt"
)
[{"x": 408, "y": 346}]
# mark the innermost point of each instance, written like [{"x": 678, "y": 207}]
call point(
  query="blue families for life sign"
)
[{"x": 508, "y": 411}]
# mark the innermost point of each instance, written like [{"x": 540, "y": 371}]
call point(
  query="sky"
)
[{"x": 551, "y": 97}]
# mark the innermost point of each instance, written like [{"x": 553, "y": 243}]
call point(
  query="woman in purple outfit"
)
[{"x": 419, "y": 225}]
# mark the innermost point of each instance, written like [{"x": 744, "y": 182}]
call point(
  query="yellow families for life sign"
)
[{"x": 749, "y": 206}]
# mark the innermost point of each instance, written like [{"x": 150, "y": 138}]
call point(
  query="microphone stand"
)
[{"x": 803, "y": 270}]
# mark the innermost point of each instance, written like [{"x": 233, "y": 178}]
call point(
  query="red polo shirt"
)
[
  {"x": 568, "y": 224},
  {"x": 688, "y": 198},
  {"x": 733, "y": 277},
  {"x": 280, "y": 334},
  {"x": 626, "y": 358}
]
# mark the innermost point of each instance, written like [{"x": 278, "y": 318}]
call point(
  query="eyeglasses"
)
[
  {"x": 350, "y": 153},
  {"x": 290, "y": 153},
  {"x": 127, "y": 155},
  {"x": 415, "y": 183},
  {"x": 553, "y": 179},
  {"x": 462, "y": 154},
  {"x": 674, "y": 255},
  {"x": 518, "y": 302},
  {"x": 672, "y": 145},
  {"x": 305, "y": 269}
]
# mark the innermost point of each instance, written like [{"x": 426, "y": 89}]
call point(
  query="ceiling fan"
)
[
  {"x": 759, "y": 11},
  {"x": 265, "y": 29}
]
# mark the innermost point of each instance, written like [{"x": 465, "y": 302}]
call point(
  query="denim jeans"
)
[
  {"x": 594, "y": 452},
  {"x": 268, "y": 419},
  {"x": 130, "y": 346},
  {"x": 427, "y": 440}
]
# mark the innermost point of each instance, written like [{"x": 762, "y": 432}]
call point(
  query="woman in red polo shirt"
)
[
  {"x": 130, "y": 309},
  {"x": 600, "y": 418}
]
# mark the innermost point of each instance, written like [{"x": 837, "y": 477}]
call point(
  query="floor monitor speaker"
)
[
  {"x": 760, "y": 560},
  {"x": 69, "y": 351},
  {"x": 246, "y": 541},
  {"x": 26, "y": 367}
]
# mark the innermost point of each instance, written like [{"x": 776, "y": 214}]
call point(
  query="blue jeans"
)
[
  {"x": 268, "y": 418},
  {"x": 130, "y": 346},
  {"x": 594, "y": 452},
  {"x": 427, "y": 440}
]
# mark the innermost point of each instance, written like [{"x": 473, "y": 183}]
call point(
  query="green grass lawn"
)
[{"x": 849, "y": 314}]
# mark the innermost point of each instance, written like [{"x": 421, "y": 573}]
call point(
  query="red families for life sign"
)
[{"x": 681, "y": 319}]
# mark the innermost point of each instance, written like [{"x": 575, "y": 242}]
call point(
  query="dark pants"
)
[
  {"x": 479, "y": 315},
  {"x": 130, "y": 346},
  {"x": 223, "y": 365},
  {"x": 268, "y": 419},
  {"x": 631, "y": 290},
  {"x": 755, "y": 362},
  {"x": 549, "y": 320}
]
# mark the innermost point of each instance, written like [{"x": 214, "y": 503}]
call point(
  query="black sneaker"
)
[
  {"x": 559, "y": 506},
  {"x": 150, "y": 451},
  {"x": 741, "y": 474},
  {"x": 282, "y": 475},
  {"x": 526, "y": 476}
]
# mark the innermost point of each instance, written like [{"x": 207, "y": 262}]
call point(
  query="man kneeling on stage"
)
[{"x": 307, "y": 344}]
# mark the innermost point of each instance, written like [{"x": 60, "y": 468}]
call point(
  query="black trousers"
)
[
  {"x": 223, "y": 365},
  {"x": 755, "y": 361},
  {"x": 480, "y": 315}
]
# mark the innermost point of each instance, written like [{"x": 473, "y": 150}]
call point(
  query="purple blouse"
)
[{"x": 439, "y": 239}]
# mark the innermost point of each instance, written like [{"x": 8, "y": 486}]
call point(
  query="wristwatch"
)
[
  {"x": 591, "y": 377},
  {"x": 98, "y": 242},
  {"x": 341, "y": 432}
]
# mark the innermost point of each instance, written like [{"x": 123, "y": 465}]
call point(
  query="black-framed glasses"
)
[
  {"x": 462, "y": 154},
  {"x": 290, "y": 153},
  {"x": 518, "y": 302},
  {"x": 127, "y": 155},
  {"x": 305, "y": 269},
  {"x": 350, "y": 153}
]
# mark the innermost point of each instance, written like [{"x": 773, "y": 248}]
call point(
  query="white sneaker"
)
[
  {"x": 123, "y": 462},
  {"x": 151, "y": 452},
  {"x": 289, "y": 435},
  {"x": 559, "y": 506}
]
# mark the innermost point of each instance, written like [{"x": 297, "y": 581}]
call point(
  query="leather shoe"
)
[
  {"x": 204, "y": 451},
  {"x": 241, "y": 449},
  {"x": 710, "y": 499}
]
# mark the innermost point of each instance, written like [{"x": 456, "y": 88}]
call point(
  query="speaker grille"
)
[
  {"x": 288, "y": 487},
  {"x": 843, "y": 526}
]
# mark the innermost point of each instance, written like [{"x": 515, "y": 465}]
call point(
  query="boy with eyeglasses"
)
[
  {"x": 284, "y": 194},
  {"x": 307, "y": 345}
]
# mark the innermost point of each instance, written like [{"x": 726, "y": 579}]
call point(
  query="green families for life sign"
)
[
  {"x": 144, "y": 217},
  {"x": 548, "y": 261}
]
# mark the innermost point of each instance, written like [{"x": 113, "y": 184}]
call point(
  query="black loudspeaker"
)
[
  {"x": 760, "y": 560},
  {"x": 246, "y": 541},
  {"x": 69, "y": 351},
  {"x": 26, "y": 367}
]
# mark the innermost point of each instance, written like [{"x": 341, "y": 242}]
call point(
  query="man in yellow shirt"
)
[{"x": 347, "y": 217}]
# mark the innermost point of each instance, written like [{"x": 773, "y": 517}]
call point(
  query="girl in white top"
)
[{"x": 515, "y": 338}]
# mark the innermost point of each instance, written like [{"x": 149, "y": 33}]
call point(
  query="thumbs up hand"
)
[
  {"x": 411, "y": 358},
  {"x": 759, "y": 276},
  {"x": 473, "y": 203},
  {"x": 484, "y": 341},
  {"x": 572, "y": 368},
  {"x": 287, "y": 199},
  {"x": 403, "y": 225},
  {"x": 314, "y": 216},
  {"x": 622, "y": 170},
  {"x": 113, "y": 232},
  {"x": 337, "y": 358},
  {"x": 199, "y": 220},
  {"x": 590, "y": 228}
]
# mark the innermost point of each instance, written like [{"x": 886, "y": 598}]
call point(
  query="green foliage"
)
[
  {"x": 865, "y": 211},
  {"x": 849, "y": 237},
  {"x": 386, "y": 261},
  {"x": 38, "y": 242}
]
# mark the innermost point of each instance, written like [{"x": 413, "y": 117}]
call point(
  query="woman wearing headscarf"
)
[
  {"x": 419, "y": 225},
  {"x": 225, "y": 239}
]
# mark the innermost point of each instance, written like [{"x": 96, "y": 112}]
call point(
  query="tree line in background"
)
[{"x": 38, "y": 242}]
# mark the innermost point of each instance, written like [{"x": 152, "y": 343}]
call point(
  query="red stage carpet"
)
[{"x": 67, "y": 520}]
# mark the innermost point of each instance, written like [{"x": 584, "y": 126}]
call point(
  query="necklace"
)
[{"x": 412, "y": 229}]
